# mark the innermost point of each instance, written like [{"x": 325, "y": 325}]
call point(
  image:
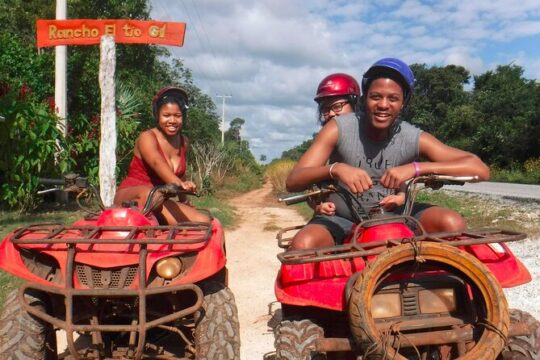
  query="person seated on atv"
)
[
  {"x": 339, "y": 94},
  {"x": 159, "y": 157},
  {"x": 373, "y": 153}
]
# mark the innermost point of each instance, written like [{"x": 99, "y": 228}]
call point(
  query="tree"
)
[
  {"x": 296, "y": 152},
  {"x": 507, "y": 127},
  {"x": 437, "y": 90},
  {"x": 233, "y": 133},
  {"x": 262, "y": 158}
]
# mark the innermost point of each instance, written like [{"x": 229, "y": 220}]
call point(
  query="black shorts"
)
[{"x": 341, "y": 227}]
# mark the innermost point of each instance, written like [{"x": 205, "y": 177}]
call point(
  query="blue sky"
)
[{"x": 271, "y": 54}]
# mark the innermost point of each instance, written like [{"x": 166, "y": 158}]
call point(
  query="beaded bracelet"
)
[{"x": 416, "y": 168}]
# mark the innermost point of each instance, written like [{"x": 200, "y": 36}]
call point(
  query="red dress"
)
[{"x": 140, "y": 173}]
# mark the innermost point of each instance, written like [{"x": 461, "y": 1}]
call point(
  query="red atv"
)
[
  {"x": 393, "y": 291},
  {"x": 119, "y": 285}
]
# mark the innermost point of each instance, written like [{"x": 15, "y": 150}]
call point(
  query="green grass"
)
[
  {"x": 239, "y": 184},
  {"x": 527, "y": 173},
  {"x": 482, "y": 212},
  {"x": 7, "y": 284},
  {"x": 10, "y": 220},
  {"x": 218, "y": 208}
]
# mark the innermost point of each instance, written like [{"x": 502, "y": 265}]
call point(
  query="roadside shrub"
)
[
  {"x": 31, "y": 142},
  {"x": 528, "y": 173},
  {"x": 532, "y": 170},
  {"x": 84, "y": 137},
  {"x": 532, "y": 166},
  {"x": 277, "y": 172},
  {"x": 241, "y": 180}
]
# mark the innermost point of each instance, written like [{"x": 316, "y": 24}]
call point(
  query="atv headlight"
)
[
  {"x": 386, "y": 305},
  {"x": 436, "y": 301},
  {"x": 169, "y": 268}
]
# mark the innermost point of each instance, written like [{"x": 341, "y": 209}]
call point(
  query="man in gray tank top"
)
[
  {"x": 355, "y": 148},
  {"x": 373, "y": 154}
]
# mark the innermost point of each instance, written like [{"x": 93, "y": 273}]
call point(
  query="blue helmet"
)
[{"x": 389, "y": 67}]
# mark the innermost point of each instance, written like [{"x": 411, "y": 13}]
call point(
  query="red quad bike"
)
[
  {"x": 120, "y": 286},
  {"x": 393, "y": 291}
]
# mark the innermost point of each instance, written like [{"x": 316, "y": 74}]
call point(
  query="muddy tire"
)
[
  {"x": 295, "y": 340},
  {"x": 363, "y": 328},
  {"x": 523, "y": 347},
  {"x": 217, "y": 332},
  {"x": 22, "y": 336}
]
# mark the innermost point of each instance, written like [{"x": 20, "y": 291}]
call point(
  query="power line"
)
[
  {"x": 205, "y": 45},
  {"x": 185, "y": 50},
  {"x": 201, "y": 24}
]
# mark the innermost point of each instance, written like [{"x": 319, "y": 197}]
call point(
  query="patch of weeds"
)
[
  {"x": 218, "y": 208},
  {"x": 270, "y": 224},
  {"x": 483, "y": 211}
]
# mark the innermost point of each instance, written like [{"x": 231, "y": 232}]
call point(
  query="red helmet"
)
[
  {"x": 177, "y": 94},
  {"x": 338, "y": 84}
]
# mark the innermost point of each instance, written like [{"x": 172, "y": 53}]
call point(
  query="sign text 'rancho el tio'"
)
[{"x": 89, "y": 32}]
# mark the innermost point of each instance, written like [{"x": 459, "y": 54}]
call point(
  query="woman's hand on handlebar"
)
[
  {"x": 356, "y": 179},
  {"x": 325, "y": 208},
  {"x": 390, "y": 202},
  {"x": 188, "y": 186}
]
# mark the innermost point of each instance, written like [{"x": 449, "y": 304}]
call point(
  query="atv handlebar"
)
[
  {"x": 47, "y": 181},
  {"x": 166, "y": 191},
  {"x": 297, "y": 198},
  {"x": 70, "y": 183},
  {"x": 432, "y": 181},
  {"x": 80, "y": 185},
  {"x": 436, "y": 181}
]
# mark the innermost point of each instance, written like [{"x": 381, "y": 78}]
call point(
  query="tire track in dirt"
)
[{"x": 253, "y": 266}]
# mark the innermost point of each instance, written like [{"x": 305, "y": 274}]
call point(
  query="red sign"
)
[{"x": 89, "y": 32}]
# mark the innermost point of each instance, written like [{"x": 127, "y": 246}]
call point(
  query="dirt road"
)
[{"x": 252, "y": 263}]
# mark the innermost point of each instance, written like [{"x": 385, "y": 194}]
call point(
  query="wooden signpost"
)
[{"x": 107, "y": 33}]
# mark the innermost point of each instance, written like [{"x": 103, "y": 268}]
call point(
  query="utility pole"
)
[
  {"x": 60, "y": 87},
  {"x": 60, "y": 92},
  {"x": 223, "y": 117}
]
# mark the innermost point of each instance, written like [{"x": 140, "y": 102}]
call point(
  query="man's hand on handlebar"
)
[
  {"x": 356, "y": 179},
  {"x": 394, "y": 177}
]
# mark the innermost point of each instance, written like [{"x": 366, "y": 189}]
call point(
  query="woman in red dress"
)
[{"x": 159, "y": 157}]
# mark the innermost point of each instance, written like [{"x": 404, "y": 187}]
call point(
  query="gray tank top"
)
[{"x": 355, "y": 148}]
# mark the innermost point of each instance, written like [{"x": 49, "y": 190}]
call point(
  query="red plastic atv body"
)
[
  {"x": 111, "y": 261},
  {"x": 114, "y": 240},
  {"x": 323, "y": 284}
]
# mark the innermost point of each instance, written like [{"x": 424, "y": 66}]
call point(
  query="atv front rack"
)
[
  {"x": 356, "y": 250},
  {"x": 55, "y": 233},
  {"x": 72, "y": 237}
]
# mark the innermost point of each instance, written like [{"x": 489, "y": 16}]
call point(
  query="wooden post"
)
[{"x": 107, "y": 145}]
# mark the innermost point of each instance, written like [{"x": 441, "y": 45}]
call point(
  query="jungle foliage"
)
[{"x": 37, "y": 148}]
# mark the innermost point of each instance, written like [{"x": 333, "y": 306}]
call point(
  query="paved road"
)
[{"x": 519, "y": 191}]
